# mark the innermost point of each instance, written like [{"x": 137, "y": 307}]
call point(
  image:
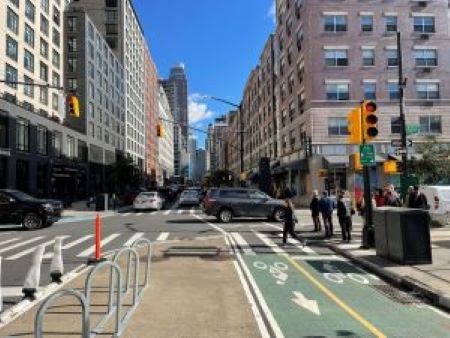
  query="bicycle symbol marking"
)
[
  {"x": 337, "y": 276},
  {"x": 277, "y": 270}
]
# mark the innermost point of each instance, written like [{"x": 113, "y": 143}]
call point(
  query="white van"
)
[{"x": 439, "y": 201}]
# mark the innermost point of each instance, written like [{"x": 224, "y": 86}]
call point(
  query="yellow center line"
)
[{"x": 337, "y": 300}]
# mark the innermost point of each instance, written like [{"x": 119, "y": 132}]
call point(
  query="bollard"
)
[
  {"x": 33, "y": 277},
  {"x": 57, "y": 267},
  {"x": 98, "y": 237}
]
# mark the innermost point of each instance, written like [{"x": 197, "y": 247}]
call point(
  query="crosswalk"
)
[{"x": 192, "y": 211}]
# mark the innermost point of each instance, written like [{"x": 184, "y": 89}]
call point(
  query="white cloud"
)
[
  {"x": 198, "y": 111},
  {"x": 272, "y": 12}
]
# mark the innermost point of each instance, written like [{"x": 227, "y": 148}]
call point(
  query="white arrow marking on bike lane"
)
[{"x": 308, "y": 304}]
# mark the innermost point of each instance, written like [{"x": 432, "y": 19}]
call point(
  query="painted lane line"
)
[
  {"x": 180, "y": 211},
  {"x": 18, "y": 245},
  {"x": 139, "y": 214},
  {"x": 9, "y": 241},
  {"x": 91, "y": 250},
  {"x": 70, "y": 245},
  {"x": 125, "y": 214},
  {"x": 242, "y": 243},
  {"x": 163, "y": 236},
  {"x": 133, "y": 238},
  {"x": 369, "y": 326},
  {"x": 32, "y": 249},
  {"x": 274, "y": 247}
]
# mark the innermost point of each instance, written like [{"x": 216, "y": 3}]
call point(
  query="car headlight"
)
[{"x": 47, "y": 207}]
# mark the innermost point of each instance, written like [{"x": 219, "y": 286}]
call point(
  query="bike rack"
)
[
  {"x": 131, "y": 252},
  {"x": 46, "y": 304},
  {"x": 149, "y": 245},
  {"x": 111, "y": 308}
]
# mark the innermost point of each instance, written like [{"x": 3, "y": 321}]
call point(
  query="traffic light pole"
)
[{"x": 401, "y": 84}]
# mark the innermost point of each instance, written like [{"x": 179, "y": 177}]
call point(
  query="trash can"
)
[
  {"x": 380, "y": 228},
  {"x": 408, "y": 236}
]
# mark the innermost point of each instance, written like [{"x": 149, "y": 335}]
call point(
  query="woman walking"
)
[{"x": 289, "y": 223}]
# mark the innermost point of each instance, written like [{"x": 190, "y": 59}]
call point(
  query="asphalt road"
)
[{"x": 298, "y": 291}]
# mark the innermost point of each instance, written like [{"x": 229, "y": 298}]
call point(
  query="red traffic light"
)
[{"x": 370, "y": 107}]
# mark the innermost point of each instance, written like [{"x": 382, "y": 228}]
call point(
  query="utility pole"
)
[{"x": 401, "y": 85}]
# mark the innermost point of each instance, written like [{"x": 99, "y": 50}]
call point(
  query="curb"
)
[{"x": 434, "y": 296}]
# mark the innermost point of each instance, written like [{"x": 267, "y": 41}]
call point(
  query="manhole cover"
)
[
  {"x": 208, "y": 251},
  {"x": 396, "y": 294}
]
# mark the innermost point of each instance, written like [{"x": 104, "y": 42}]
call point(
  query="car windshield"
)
[
  {"x": 21, "y": 196},
  {"x": 191, "y": 193},
  {"x": 147, "y": 194}
]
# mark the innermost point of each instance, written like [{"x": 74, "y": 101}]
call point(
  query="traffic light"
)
[
  {"x": 355, "y": 161},
  {"x": 391, "y": 167},
  {"x": 159, "y": 130},
  {"x": 74, "y": 106},
  {"x": 370, "y": 120},
  {"x": 354, "y": 126}
]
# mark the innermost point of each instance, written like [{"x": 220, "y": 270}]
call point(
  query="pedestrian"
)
[
  {"x": 289, "y": 223},
  {"x": 326, "y": 209},
  {"x": 408, "y": 196},
  {"x": 392, "y": 199},
  {"x": 379, "y": 198},
  {"x": 418, "y": 200},
  {"x": 345, "y": 212},
  {"x": 315, "y": 211}
]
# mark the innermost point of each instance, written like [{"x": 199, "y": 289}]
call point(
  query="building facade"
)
[{"x": 165, "y": 143}]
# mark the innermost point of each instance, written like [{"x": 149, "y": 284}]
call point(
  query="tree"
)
[{"x": 126, "y": 174}]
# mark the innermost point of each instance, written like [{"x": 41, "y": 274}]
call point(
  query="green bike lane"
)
[{"x": 323, "y": 295}]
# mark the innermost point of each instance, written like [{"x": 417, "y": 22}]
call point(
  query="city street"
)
[{"x": 296, "y": 291}]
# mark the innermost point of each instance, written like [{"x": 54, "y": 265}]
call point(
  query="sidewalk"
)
[
  {"x": 80, "y": 209},
  {"x": 430, "y": 280}
]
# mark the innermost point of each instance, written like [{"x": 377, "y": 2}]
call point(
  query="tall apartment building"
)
[
  {"x": 165, "y": 144},
  {"x": 32, "y": 51},
  {"x": 329, "y": 56},
  {"x": 192, "y": 148},
  {"x": 119, "y": 24},
  {"x": 96, "y": 76},
  {"x": 177, "y": 94}
]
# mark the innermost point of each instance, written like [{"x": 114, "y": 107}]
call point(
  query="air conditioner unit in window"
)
[
  {"x": 426, "y": 70},
  {"x": 424, "y": 36}
]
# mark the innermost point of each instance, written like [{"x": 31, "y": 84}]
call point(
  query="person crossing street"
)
[{"x": 289, "y": 223}]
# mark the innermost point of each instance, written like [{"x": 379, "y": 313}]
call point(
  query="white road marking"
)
[
  {"x": 308, "y": 304},
  {"x": 167, "y": 212},
  {"x": 192, "y": 211},
  {"x": 30, "y": 250},
  {"x": 180, "y": 211},
  {"x": 294, "y": 242},
  {"x": 18, "y": 245},
  {"x": 139, "y": 214},
  {"x": 133, "y": 238},
  {"x": 125, "y": 214},
  {"x": 91, "y": 250},
  {"x": 9, "y": 241},
  {"x": 70, "y": 245},
  {"x": 274, "y": 247},
  {"x": 163, "y": 236},
  {"x": 242, "y": 243}
]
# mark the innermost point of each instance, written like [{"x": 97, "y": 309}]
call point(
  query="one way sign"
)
[{"x": 398, "y": 143}]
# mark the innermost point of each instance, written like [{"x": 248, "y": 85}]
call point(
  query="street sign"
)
[
  {"x": 367, "y": 152},
  {"x": 398, "y": 143},
  {"x": 412, "y": 129},
  {"x": 400, "y": 151}
]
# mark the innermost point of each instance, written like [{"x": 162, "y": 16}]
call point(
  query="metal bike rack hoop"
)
[
  {"x": 149, "y": 245},
  {"x": 131, "y": 252}
]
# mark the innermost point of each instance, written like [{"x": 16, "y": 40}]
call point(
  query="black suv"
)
[
  {"x": 226, "y": 203},
  {"x": 16, "y": 207}
]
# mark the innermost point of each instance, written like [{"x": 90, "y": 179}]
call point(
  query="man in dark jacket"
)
[
  {"x": 315, "y": 211},
  {"x": 417, "y": 200},
  {"x": 289, "y": 223},
  {"x": 344, "y": 213},
  {"x": 326, "y": 209}
]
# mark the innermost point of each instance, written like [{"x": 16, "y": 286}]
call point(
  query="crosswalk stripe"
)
[
  {"x": 70, "y": 245},
  {"x": 90, "y": 251},
  {"x": 167, "y": 212},
  {"x": 267, "y": 241},
  {"x": 18, "y": 245},
  {"x": 305, "y": 249},
  {"x": 163, "y": 236},
  {"x": 10, "y": 241},
  {"x": 139, "y": 214},
  {"x": 192, "y": 211},
  {"x": 180, "y": 211},
  {"x": 125, "y": 214},
  {"x": 133, "y": 238},
  {"x": 30, "y": 250},
  {"x": 242, "y": 243}
]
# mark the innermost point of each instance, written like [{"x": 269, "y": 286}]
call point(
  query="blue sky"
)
[{"x": 219, "y": 41}]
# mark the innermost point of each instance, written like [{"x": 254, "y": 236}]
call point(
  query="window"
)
[
  {"x": 99, "y": 133},
  {"x": 28, "y": 60},
  {"x": 91, "y": 130},
  {"x": 367, "y": 23},
  {"x": 29, "y": 10},
  {"x": 45, "y": 6},
  {"x": 337, "y": 92},
  {"x": 334, "y": 58},
  {"x": 335, "y": 23},
  {"x": 368, "y": 57},
  {"x": 394, "y": 91},
  {"x": 91, "y": 70},
  {"x": 44, "y": 48},
  {"x": 426, "y": 57},
  {"x": 111, "y": 3},
  {"x": 43, "y": 72},
  {"x": 337, "y": 126},
  {"x": 72, "y": 64},
  {"x": 396, "y": 125},
  {"x": 57, "y": 143},
  {"x": 56, "y": 16},
  {"x": 292, "y": 138},
  {"x": 29, "y": 35},
  {"x": 424, "y": 24},
  {"x": 70, "y": 144},
  {"x": 56, "y": 60},
  {"x": 43, "y": 95},
  {"x": 55, "y": 101},
  {"x": 28, "y": 90},
  {"x": 11, "y": 76},
  {"x": 427, "y": 91},
  {"x": 91, "y": 112},
  {"x": 15, "y": 2},
  {"x": 91, "y": 90},
  {"x": 91, "y": 51},
  {"x": 44, "y": 25},
  {"x": 72, "y": 44},
  {"x": 370, "y": 90},
  {"x": 392, "y": 58},
  {"x": 12, "y": 21},
  {"x": 11, "y": 48},
  {"x": 3, "y": 132},
  {"x": 22, "y": 134},
  {"x": 42, "y": 140},
  {"x": 391, "y": 23},
  {"x": 72, "y": 23},
  {"x": 56, "y": 37},
  {"x": 56, "y": 81},
  {"x": 72, "y": 84},
  {"x": 430, "y": 124}
]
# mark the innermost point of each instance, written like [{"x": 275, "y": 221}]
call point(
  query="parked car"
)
[
  {"x": 148, "y": 200},
  {"x": 17, "y": 207},
  {"x": 189, "y": 197},
  {"x": 438, "y": 198},
  {"x": 228, "y": 203}
]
